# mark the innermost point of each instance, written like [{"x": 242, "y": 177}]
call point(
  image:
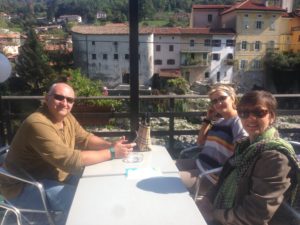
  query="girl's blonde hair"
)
[{"x": 224, "y": 88}]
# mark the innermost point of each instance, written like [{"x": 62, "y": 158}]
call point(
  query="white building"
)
[
  {"x": 222, "y": 57},
  {"x": 69, "y": 18},
  {"x": 102, "y": 52}
]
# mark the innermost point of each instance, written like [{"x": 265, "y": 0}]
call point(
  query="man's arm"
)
[
  {"x": 98, "y": 143},
  {"x": 121, "y": 149}
]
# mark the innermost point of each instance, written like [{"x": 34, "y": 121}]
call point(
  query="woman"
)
[
  {"x": 220, "y": 130},
  {"x": 258, "y": 184}
]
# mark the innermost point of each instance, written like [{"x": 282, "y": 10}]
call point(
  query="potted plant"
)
[{"x": 86, "y": 87}]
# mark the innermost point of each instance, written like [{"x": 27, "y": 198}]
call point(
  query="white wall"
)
[
  {"x": 226, "y": 71},
  {"x": 164, "y": 54},
  {"x": 111, "y": 70}
]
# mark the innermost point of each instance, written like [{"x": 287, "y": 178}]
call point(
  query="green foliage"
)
[
  {"x": 283, "y": 68},
  {"x": 86, "y": 87},
  {"x": 178, "y": 86},
  {"x": 117, "y": 10},
  {"x": 32, "y": 67}
]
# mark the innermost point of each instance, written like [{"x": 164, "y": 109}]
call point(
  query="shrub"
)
[{"x": 86, "y": 87}]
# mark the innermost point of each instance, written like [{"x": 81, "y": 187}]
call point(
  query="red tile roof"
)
[
  {"x": 119, "y": 29},
  {"x": 211, "y": 6},
  {"x": 249, "y": 5},
  {"x": 172, "y": 73}
]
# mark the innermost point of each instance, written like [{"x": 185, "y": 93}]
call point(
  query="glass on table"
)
[{"x": 134, "y": 157}]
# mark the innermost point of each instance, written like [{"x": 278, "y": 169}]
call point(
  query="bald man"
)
[{"x": 49, "y": 146}]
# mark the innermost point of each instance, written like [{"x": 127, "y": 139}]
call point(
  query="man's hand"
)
[{"x": 123, "y": 148}]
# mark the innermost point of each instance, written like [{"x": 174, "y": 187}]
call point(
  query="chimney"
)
[{"x": 266, "y": 3}]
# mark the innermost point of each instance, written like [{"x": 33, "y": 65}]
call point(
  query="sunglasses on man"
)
[
  {"x": 258, "y": 113},
  {"x": 62, "y": 98}
]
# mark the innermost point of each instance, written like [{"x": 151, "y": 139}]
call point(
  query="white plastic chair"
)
[
  {"x": 19, "y": 213},
  {"x": 205, "y": 169}
]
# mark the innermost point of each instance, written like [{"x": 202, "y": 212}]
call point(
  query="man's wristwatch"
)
[{"x": 112, "y": 152}]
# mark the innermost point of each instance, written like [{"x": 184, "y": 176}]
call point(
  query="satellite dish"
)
[{"x": 5, "y": 68}]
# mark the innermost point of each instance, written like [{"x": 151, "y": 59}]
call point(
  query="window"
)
[
  {"x": 209, "y": 18},
  {"x": 256, "y": 64},
  {"x": 272, "y": 22},
  {"x": 259, "y": 25},
  {"x": 299, "y": 38},
  {"x": 257, "y": 45},
  {"x": 246, "y": 24},
  {"x": 243, "y": 64},
  {"x": 229, "y": 56},
  {"x": 126, "y": 78},
  {"x": 157, "y": 48},
  {"x": 171, "y": 61},
  {"x": 216, "y": 43},
  {"x": 157, "y": 62},
  {"x": 116, "y": 46},
  {"x": 216, "y": 56},
  {"x": 206, "y": 74},
  {"x": 218, "y": 76},
  {"x": 104, "y": 56},
  {"x": 187, "y": 75},
  {"x": 94, "y": 56},
  {"x": 171, "y": 48},
  {"x": 127, "y": 56},
  {"x": 230, "y": 43},
  {"x": 207, "y": 42},
  {"x": 93, "y": 43},
  {"x": 271, "y": 44},
  {"x": 116, "y": 56},
  {"x": 192, "y": 43},
  {"x": 244, "y": 45}
]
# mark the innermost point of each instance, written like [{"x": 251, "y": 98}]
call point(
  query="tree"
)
[
  {"x": 32, "y": 67},
  {"x": 283, "y": 69}
]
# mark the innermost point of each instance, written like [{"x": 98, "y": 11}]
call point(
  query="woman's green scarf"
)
[{"x": 245, "y": 155}]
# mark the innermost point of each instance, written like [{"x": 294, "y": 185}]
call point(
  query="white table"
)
[
  {"x": 161, "y": 157},
  {"x": 111, "y": 198}
]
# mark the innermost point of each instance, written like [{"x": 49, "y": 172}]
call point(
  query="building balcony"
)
[
  {"x": 195, "y": 63},
  {"x": 229, "y": 62}
]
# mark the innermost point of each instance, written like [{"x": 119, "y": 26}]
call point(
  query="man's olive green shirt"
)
[{"x": 44, "y": 151}]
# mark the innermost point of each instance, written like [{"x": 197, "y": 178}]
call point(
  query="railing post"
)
[
  {"x": 171, "y": 123},
  {"x": 2, "y": 132}
]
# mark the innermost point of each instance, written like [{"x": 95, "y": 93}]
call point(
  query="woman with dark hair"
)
[{"x": 259, "y": 184}]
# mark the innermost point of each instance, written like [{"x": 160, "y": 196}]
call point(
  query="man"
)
[{"x": 49, "y": 147}]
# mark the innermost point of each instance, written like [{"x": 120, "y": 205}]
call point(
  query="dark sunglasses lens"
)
[
  {"x": 61, "y": 98},
  {"x": 243, "y": 114},
  {"x": 260, "y": 113}
]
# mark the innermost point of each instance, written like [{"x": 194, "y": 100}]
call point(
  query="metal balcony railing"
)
[{"x": 15, "y": 108}]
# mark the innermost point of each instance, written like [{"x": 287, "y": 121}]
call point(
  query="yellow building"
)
[
  {"x": 257, "y": 27},
  {"x": 295, "y": 31}
]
